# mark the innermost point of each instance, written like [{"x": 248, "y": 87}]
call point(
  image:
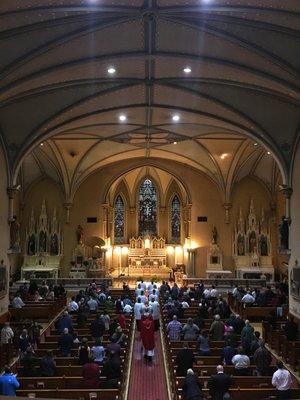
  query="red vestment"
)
[{"x": 147, "y": 332}]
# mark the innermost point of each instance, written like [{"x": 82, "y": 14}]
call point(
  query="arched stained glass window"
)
[
  {"x": 147, "y": 208},
  {"x": 175, "y": 220},
  {"x": 119, "y": 222}
]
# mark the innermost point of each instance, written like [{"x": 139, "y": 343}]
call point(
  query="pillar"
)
[
  {"x": 227, "y": 207},
  {"x": 190, "y": 268}
]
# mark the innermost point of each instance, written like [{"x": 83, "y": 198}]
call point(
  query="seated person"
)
[
  {"x": 8, "y": 383},
  {"x": 184, "y": 360},
  {"x": 111, "y": 370},
  {"x": 203, "y": 344},
  {"x": 119, "y": 336},
  {"x": 17, "y": 302},
  {"x": 83, "y": 352},
  {"x": 114, "y": 348},
  {"x": 91, "y": 375},
  {"x": 192, "y": 388},
  {"x": 48, "y": 365}
]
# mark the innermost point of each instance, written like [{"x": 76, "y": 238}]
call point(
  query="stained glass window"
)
[
  {"x": 147, "y": 208},
  {"x": 175, "y": 220},
  {"x": 119, "y": 229}
]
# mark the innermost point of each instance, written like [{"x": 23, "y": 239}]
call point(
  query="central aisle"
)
[{"x": 147, "y": 381}]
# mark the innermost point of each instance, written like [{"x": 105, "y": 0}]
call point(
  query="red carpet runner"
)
[{"x": 147, "y": 381}]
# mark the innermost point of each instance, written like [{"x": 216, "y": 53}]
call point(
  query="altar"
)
[
  {"x": 147, "y": 257},
  {"x": 252, "y": 246},
  {"x": 42, "y": 246}
]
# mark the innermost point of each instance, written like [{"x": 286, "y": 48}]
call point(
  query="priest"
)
[{"x": 147, "y": 335}]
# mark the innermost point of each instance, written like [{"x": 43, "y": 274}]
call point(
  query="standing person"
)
[
  {"x": 219, "y": 384},
  {"x": 65, "y": 343},
  {"x": 174, "y": 329},
  {"x": 217, "y": 329},
  {"x": 7, "y": 334},
  {"x": 8, "y": 383},
  {"x": 147, "y": 336},
  {"x": 48, "y": 365},
  {"x": 192, "y": 387},
  {"x": 247, "y": 336},
  {"x": 185, "y": 360},
  {"x": 190, "y": 330},
  {"x": 91, "y": 375},
  {"x": 83, "y": 352},
  {"x": 138, "y": 309},
  {"x": 241, "y": 363},
  {"x": 291, "y": 329},
  {"x": 203, "y": 344},
  {"x": 262, "y": 359},
  {"x": 154, "y": 307},
  {"x": 98, "y": 352},
  {"x": 282, "y": 381}
]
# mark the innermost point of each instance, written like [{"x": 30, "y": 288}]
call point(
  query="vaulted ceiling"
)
[{"x": 242, "y": 88}]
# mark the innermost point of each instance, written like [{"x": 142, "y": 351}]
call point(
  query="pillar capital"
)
[
  {"x": 68, "y": 206},
  {"x": 227, "y": 207},
  {"x": 13, "y": 191},
  {"x": 286, "y": 190},
  {"x": 132, "y": 210}
]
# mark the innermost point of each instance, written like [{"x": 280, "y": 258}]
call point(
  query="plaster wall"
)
[
  {"x": 4, "y": 227},
  {"x": 295, "y": 227}
]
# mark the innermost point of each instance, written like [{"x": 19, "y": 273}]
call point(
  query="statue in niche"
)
[
  {"x": 15, "y": 233},
  {"x": 240, "y": 245},
  {"x": 54, "y": 245},
  {"x": 79, "y": 234},
  {"x": 214, "y": 235},
  {"x": 263, "y": 246},
  {"x": 284, "y": 233},
  {"x": 42, "y": 242},
  {"x": 252, "y": 242},
  {"x": 31, "y": 249}
]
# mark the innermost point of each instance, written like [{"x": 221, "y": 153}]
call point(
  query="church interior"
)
[{"x": 153, "y": 140}]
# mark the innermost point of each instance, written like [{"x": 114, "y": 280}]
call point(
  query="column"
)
[
  {"x": 188, "y": 220},
  {"x": 191, "y": 263},
  {"x": 12, "y": 193},
  {"x": 287, "y": 192}
]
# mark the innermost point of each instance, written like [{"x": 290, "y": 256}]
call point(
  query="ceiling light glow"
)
[
  {"x": 223, "y": 156},
  {"x": 187, "y": 70},
  {"x": 255, "y": 144},
  {"x": 174, "y": 142},
  {"x": 111, "y": 70},
  {"x": 122, "y": 117},
  {"x": 268, "y": 152},
  {"x": 176, "y": 118}
]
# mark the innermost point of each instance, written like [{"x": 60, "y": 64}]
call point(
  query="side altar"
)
[
  {"x": 147, "y": 257},
  {"x": 252, "y": 246},
  {"x": 42, "y": 248}
]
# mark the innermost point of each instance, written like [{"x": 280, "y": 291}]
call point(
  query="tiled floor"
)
[{"x": 147, "y": 381}]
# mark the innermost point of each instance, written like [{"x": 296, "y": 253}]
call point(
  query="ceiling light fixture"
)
[
  {"x": 111, "y": 70},
  {"x": 176, "y": 118},
  {"x": 223, "y": 156},
  {"x": 122, "y": 117},
  {"x": 42, "y": 144},
  {"x": 174, "y": 142},
  {"x": 187, "y": 70},
  {"x": 255, "y": 144},
  {"x": 268, "y": 152}
]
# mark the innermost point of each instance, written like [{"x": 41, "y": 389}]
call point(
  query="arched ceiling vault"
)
[{"x": 243, "y": 86}]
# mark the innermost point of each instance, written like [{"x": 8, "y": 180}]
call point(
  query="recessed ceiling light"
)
[
  {"x": 42, "y": 144},
  {"x": 223, "y": 156},
  {"x": 255, "y": 144},
  {"x": 176, "y": 117},
  {"x": 174, "y": 142},
  {"x": 268, "y": 152},
  {"x": 122, "y": 117},
  {"x": 187, "y": 70},
  {"x": 111, "y": 70}
]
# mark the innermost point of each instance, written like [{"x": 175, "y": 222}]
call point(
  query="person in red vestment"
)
[
  {"x": 122, "y": 320},
  {"x": 147, "y": 335}
]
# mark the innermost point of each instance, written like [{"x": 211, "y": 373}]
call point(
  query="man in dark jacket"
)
[
  {"x": 291, "y": 329},
  {"x": 65, "y": 321},
  {"x": 48, "y": 365},
  {"x": 185, "y": 360},
  {"x": 97, "y": 328},
  {"x": 111, "y": 370},
  {"x": 219, "y": 384},
  {"x": 30, "y": 364},
  {"x": 262, "y": 359},
  {"x": 65, "y": 343}
]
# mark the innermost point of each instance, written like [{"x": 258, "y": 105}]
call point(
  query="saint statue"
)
[
  {"x": 15, "y": 234},
  {"x": 284, "y": 233},
  {"x": 79, "y": 234},
  {"x": 42, "y": 242},
  {"x": 31, "y": 245},
  {"x": 214, "y": 235},
  {"x": 54, "y": 245},
  {"x": 240, "y": 245},
  {"x": 263, "y": 246},
  {"x": 252, "y": 242}
]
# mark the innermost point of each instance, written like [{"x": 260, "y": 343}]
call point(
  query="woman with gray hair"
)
[{"x": 192, "y": 387}]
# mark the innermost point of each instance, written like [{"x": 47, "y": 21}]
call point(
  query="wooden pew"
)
[{"x": 77, "y": 394}]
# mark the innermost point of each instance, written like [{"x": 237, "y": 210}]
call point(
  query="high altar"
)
[
  {"x": 42, "y": 246},
  {"x": 147, "y": 256},
  {"x": 252, "y": 246}
]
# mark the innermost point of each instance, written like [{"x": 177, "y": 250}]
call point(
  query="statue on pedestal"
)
[
  {"x": 284, "y": 233},
  {"x": 214, "y": 235},
  {"x": 79, "y": 234},
  {"x": 15, "y": 234}
]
